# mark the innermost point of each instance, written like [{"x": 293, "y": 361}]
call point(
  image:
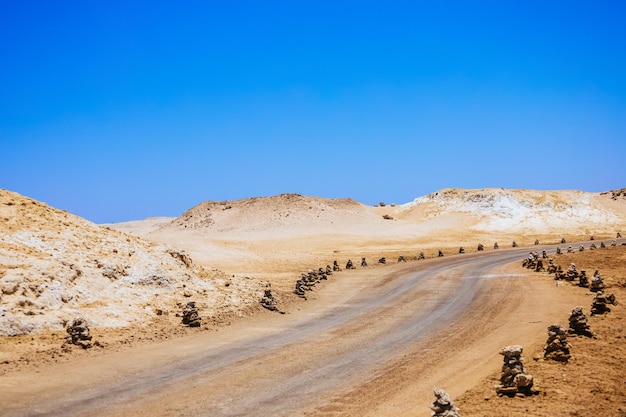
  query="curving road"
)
[{"x": 375, "y": 341}]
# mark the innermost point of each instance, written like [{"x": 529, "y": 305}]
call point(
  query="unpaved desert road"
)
[{"x": 374, "y": 342}]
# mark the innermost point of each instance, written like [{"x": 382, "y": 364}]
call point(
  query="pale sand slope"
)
[
  {"x": 55, "y": 267},
  {"x": 276, "y": 237}
]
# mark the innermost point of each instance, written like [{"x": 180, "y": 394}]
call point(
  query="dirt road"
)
[{"x": 374, "y": 342}]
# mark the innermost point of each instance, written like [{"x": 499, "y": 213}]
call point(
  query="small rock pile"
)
[
  {"x": 443, "y": 405},
  {"x": 307, "y": 281},
  {"x": 599, "y": 304},
  {"x": 350, "y": 265},
  {"x": 583, "y": 280},
  {"x": 190, "y": 315},
  {"x": 551, "y": 267},
  {"x": 514, "y": 378},
  {"x": 571, "y": 273},
  {"x": 78, "y": 333},
  {"x": 268, "y": 301},
  {"x": 557, "y": 347},
  {"x": 597, "y": 284},
  {"x": 578, "y": 323}
]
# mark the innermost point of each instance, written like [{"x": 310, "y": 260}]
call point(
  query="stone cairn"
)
[
  {"x": 557, "y": 347},
  {"x": 581, "y": 248},
  {"x": 443, "y": 405},
  {"x": 597, "y": 284},
  {"x": 440, "y": 254},
  {"x": 583, "y": 280},
  {"x": 563, "y": 240},
  {"x": 269, "y": 302},
  {"x": 551, "y": 267},
  {"x": 536, "y": 242},
  {"x": 382, "y": 260},
  {"x": 558, "y": 251},
  {"x": 363, "y": 262},
  {"x": 544, "y": 254},
  {"x": 514, "y": 378},
  {"x": 592, "y": 246},
  {"x": 602, "y": 245},
  {"x": 571, "y": 273},
  {"x": 461, "y": 249},
  {"x": 421, "y": 256},
  {"x": 350, "y": 265},
  {"x": 578, "y": 323},
  {"x": 307, "y": 281},
  {"x": 401, "y": 258},
  {"x": 190, "y": 315},
  {"x": 495, "y": 246},
  {"x": 514, "y": 244},
  {"x": 78, "y": 333},
  {"x": 600, "y": 303},
  {"x": 482, "y": 248},
  {"x": 336, "y": 266}
]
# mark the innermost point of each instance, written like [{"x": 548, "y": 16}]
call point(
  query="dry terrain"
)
[{"x": 131, "y": 280}]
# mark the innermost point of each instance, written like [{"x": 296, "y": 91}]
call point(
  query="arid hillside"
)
[
  {"x": 55, "y": 266},
  {"x": 281, "y": 235}
]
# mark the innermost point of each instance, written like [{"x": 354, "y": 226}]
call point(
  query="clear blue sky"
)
[{"x": 117, "y": 111}]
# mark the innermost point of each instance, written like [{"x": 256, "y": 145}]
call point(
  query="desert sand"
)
[{"x": 131, "y": 280}]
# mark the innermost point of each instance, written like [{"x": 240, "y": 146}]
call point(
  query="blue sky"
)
[{"x": 117, "y": 112}]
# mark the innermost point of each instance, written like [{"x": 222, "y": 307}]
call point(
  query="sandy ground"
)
[{"x": 516, "y": 310}]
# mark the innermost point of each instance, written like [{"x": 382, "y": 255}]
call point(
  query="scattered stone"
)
[
  {"x": 557, "y": 348},
  {"x": 578, "y": 323},
  {"x": 514, "y": 378},
  {"x": 190, "y": 315},
  {"x": 78, "y": 333},
  {"x": 443, "y": 405}
]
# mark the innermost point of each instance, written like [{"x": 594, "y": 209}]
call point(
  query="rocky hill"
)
[{"x": 55, "y": 266}]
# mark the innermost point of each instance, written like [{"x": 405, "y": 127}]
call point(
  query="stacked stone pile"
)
[
  {"x": 350, "y": 265},
  {"x": 307, "y": 281},
  {"x": 443, "y": 405},
  {"x": 79, "y": 334},
  {"x": 551, "y": 267},
  {"x": 571, "y": 273},
  {"x": 268, "y": 301},
  {"x": 600, "y": 303},
  {"x": 190, "y": 315},
  {"x": 597, "y": 284},
  {"x": 557, "y": 348},
  {"x": 583, "y": 280},
  {"x": 514, "y": 378},
  {"x": 578, "y": 323}
]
